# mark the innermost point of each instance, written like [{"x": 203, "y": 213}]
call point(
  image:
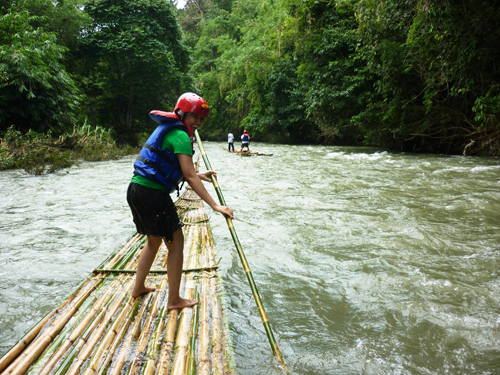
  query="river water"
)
[{"x": 367, "y": 262}]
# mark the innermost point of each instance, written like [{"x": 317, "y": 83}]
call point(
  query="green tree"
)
[
  {"x": 62, "y": 17},
  {"x": 413, "y": 75},
  {"x": 282, "y": 118},
  {"x": 454, "y": 47},
  {"x": 334, "y": 72},
  {"x": 36, "y": 92},
  {"x": 436, "y": 75},
  {"x": 134, "y": 61}
]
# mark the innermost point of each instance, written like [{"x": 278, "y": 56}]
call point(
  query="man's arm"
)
[{"x": 187, "y": 167}]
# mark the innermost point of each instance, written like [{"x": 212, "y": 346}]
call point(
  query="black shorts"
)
[
  {"x": 153, "y": 211},
  {"x": 244, "y": 145}
]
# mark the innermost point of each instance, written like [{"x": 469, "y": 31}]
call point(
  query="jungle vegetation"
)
[{"x": 403, "y": 75}]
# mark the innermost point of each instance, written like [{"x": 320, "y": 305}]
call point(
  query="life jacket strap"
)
[
  {"x": 163, "y": 174},
  {"x": 148, "y": 162},
  {"x": 159, "y": 153}
]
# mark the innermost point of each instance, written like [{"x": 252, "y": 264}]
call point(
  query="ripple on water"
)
[{"x": 367, "y": 262}]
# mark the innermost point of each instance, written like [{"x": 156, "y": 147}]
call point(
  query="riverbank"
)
[{"x": 39, "y": 153}]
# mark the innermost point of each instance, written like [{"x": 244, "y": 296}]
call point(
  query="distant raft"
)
[
  {"x": 246, "y": 153},
  {"x": 100, "y": 329}
]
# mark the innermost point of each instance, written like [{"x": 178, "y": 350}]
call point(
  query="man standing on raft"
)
[
  {"x": 245, "y": 141},
  {"x": 230, "y": 141},
  {"x": 166, "y": 159}
]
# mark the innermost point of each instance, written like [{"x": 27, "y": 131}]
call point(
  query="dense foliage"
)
[
  {"x": 36, "y": 91},
  {"x": 416, "y": 75},
  {"x": 413, "y": 75},
  {"x": 133, "y": 60}
]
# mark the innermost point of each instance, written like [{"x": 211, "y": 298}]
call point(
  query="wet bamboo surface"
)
[{"x": 100, "y": 329}]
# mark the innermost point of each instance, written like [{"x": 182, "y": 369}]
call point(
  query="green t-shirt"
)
[{"x": 176, "y": 141}]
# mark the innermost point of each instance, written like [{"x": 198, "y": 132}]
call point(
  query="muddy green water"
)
[{"x": 367, "y": 262}]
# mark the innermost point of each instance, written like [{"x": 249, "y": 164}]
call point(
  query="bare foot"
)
[
  {"x": 181, "y": 303},
  {"x": 137, "y": 292}
]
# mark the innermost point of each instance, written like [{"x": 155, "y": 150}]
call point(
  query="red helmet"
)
[{"x": 191, "y": 103}]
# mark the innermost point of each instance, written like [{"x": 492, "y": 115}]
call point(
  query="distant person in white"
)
[{"x": 230, "y": 141}]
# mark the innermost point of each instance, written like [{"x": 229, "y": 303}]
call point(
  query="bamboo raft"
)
[
  {"x": 100, "y": 329},
  {"x": 246, "y": 153}
]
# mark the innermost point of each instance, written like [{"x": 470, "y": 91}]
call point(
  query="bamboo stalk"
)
[
  {"x": 143, "y": 340},
  {"x": 163, "y": 367},
  {"x": 77, "y": 332},
  {"x": 68, "y": 361},
  {"x": 204, "y": 361},
  {"x": 126, "y": 259},
  {"x": 96, "y": 336},
  {"x": 109, "y": 337},
  {"x": 86, "y": 335},
  {"x": 225, "y": 356},
  {"x": 246, "y": 267},
  {"x": 131, "y": 313},
  {"x": 16, "y": 350},
  {"x": 182, "y": 340},
  {"x": 61, "y": 337},
  {"x": 191, "y": 367},
  {"x": 130, "y": 339},
  {"x": 163, "y": 263},
  {"x": 114, "y": 257},
  {"x": 23, "y": 362},
  {"x": 216, "y": 336},
  {"x": 155, "y": 346}
]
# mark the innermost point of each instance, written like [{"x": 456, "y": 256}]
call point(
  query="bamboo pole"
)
[
  {"x": 131, "y": 313},
  {"x": 143, "y": 340},
  {"x": 216, "y": 335},
  {"x": 187, "y": 270},
  {"x": 181, "y": 342},
  {"x": 204, "y": 335},
  {"x": 222, "y": 356},
  {"x": 194, "y": 262},
  {"x": 163, "y": 367},
  {"x": 78, "y": 331},
  {"x": 128, "y": 258},
  {"x": 87, "y": 350},
  {"x": 68, "y": 361},
  {"x": 109, "y": 338},
  {"x": 86, "y": 335},
  {"x": 131, "y": 338},
  {"x": 180, "y": 364},
  {"x": 55, "y": 346},
  {"x": 246, "y": 267},
  {"x": 215, "y": 339},
  {"x": 22, "y": 363},
  {"x": 155, "y": 346},
  {"x": 204, "y": 358},
  {"x": 16, "y": 350},
  {"x": 135, "y": 240},
  {"x": 191, "y": 367}
]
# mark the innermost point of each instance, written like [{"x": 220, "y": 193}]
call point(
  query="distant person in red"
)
[
  {"x": 245, "y": 141},
  {"x": 165, "y": 160}
]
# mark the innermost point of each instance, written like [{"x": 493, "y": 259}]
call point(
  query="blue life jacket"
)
[
  {"x": 245, "y": 138},
  {"x": 159, "y": 165}
]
